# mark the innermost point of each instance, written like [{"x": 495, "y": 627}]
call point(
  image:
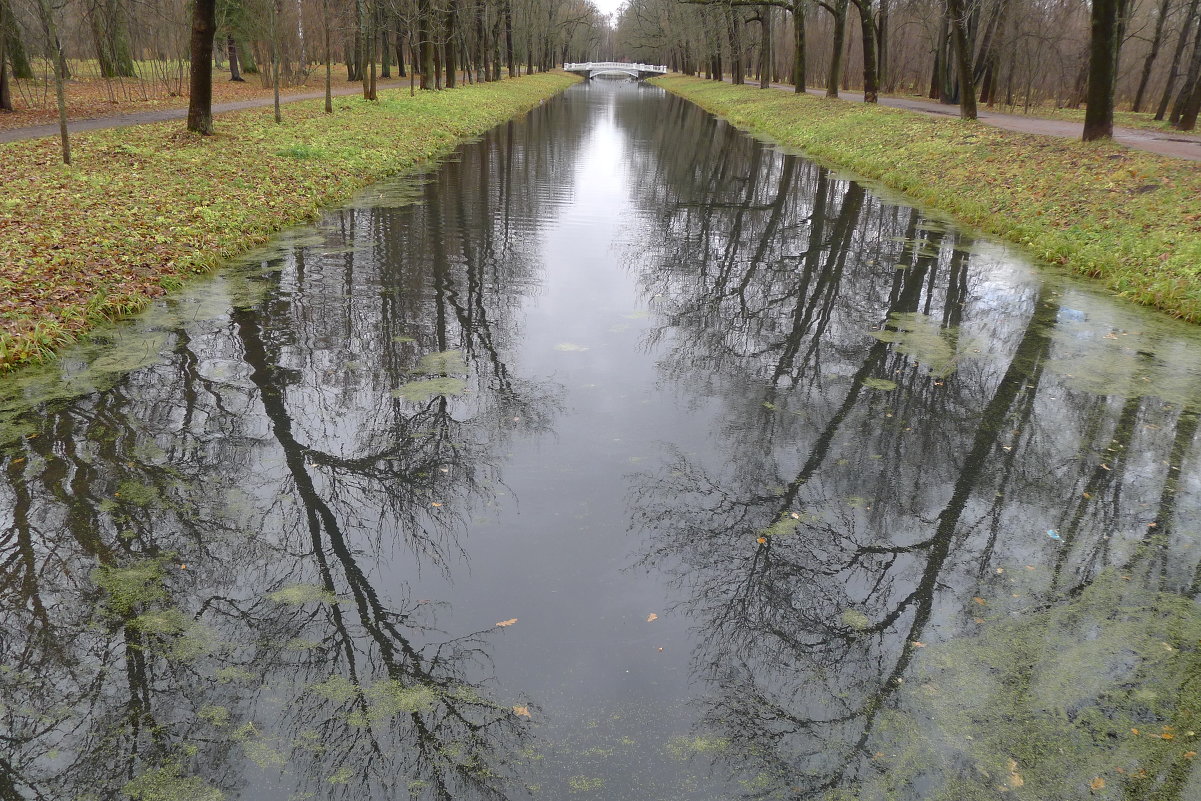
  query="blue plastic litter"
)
[{"x": 1053, "y": 534}]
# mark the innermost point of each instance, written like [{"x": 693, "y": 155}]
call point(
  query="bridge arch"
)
[{"x": 590, "y": 69}]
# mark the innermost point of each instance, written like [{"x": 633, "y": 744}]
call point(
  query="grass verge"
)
[
  {"x": 1130, "y": 219},
  {"x": 144, "y": 207}
]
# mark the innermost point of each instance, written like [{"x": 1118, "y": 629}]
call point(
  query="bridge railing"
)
[{"x": 616, "y": 65}]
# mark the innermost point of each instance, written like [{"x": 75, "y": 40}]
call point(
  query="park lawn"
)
[
  {"x": 144, "y": 207},
  {"x": 1129, "y": 219}
]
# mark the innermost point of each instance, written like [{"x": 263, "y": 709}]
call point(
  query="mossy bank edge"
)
[
  {"x": 1130, "y": 219},
  {"x": 143, "y": 207}
]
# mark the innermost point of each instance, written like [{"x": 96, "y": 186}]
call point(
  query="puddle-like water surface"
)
[{"x": 625, "y": 457}]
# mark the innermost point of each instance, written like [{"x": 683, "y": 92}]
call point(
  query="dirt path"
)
[
  {"x": 1166, "y": 143},
  {"x": 162, "y": 115}
]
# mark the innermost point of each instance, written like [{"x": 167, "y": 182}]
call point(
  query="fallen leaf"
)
[
  {"x": 761, "y": 540},
  {"x": 980, "y": 601},
  {"x": 1189, "y": 754},
  {"x": 1097, "y": 783},
  {"x": 521, "y": 711},
  {"x": 1015, "y": 778},
  {"x": 651, "y": 616},
  {"x": 917, "y": 644},
  {"x": 977, "y": 620},
  {"x": 508, "y": 622},
  {"x": 436, "y": 504}
]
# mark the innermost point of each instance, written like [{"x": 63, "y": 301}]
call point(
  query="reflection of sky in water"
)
[{"x": 824, "y": 439}]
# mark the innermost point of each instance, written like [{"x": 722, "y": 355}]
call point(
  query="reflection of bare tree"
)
[
  {"x": 190, "y": 561},
  {"x": 867, "y": 490}
]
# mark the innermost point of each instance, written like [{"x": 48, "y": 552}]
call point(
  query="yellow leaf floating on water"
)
[
  {"x": 508, "y": 622},
  {"x": 651, "y": 617},
  {"x": 521, "y": 711},
  {"x": 1097, "y": 784},
  {"x": 1015, "y": 778}
]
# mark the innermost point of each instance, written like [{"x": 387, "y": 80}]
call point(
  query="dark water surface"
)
[{"x": 786, "y": 490}]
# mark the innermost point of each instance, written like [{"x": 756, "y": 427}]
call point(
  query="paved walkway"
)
[
  {"x": 162, "y": 115},
  {"x": 1166, "y": 143}
]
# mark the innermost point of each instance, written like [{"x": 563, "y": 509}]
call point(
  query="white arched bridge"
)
[{"x": 590, "y": 69}]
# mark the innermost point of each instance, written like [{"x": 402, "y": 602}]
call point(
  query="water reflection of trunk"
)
[
  {"x": 744, "y": 624},
  {"x": 402, "y": 661},
  {"x": 826, "y": 291}
]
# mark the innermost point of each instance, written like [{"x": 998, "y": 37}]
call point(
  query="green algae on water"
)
[
  {"x": 300, "y": 594},
  {"x": 447, "y": 362},
  {"x": 427, "y": 388},
  {"x": 167, "y": 783},
  {"x": 854, "y": 619},
  {"x": 131, "y": 586},
  {"x": 923, "y": 338}
]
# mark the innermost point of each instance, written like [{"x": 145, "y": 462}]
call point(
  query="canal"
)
[{"x": 622, "y": 457}]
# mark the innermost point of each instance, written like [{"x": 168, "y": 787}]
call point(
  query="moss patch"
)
[{"x": 1128, "y": 218}]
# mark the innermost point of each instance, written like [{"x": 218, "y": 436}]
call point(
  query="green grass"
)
[
  {"x": 144, "y": 207},
  {"x": 1129, "y": 219}
]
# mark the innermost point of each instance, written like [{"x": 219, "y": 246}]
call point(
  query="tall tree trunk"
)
[
  {"x": 1190, "y": 109},
  {"x": 481, "y": 44},
  {"x": 110, "y": 31},
  {"x": 1190, "y": 81},
  {"x": 1102, "y": 69},
  {"x": 798, "y": 44},
  {"x": 369, "y": 83},
  {"x": 18, "y": 56},
  {"x": 867, "y": 24},
  {"x": 765, "y": 59},
  {"x": 734, "y": 28},
  {"x": 507, "y": 11},
  {"x": 327, "y": 23},
  {"x": 425, "y": 47},
  {"x": 882, "y": 46},
  {"x": 50, "y": 28},
  {"x": 963, "y": 60},
  {"x": 6, "y": 97},
  {"x": 385, "y": 50},
  {"x": 938, "y": 71},
  {"x": 235, "y": 70},
  {"x": 839, "y": 10},
  {"x": 275, "y": 14},
  {"x": 452, "y": 34},
  {"x": 1161, "y": 17},
  {"x": 1178, "y": 53},
  {"x": 200, "y": 78},
  {"x": 400, "y": 54}
]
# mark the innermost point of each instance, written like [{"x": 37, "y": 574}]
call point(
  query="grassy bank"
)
[
  {"x": 144, "y": 207},
  {"x": 1130, "y": 219}
]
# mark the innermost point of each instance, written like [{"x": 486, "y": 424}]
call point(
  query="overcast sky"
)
[{"x": 607, "y": 6}]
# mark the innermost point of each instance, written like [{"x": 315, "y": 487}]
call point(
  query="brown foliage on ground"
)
[{"x": 89, "y": 97}]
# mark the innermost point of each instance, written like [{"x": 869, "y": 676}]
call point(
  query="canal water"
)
[{"x": 625, "y": 456}]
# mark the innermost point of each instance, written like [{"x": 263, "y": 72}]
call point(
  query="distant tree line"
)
[
  {"x": 1143, "y": 54},
  {"x": 439, "y": 43}
]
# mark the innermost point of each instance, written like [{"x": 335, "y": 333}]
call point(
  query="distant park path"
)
[
  {"x": 1165, "y": 143},
  {"x": 163, "y": 115}
]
